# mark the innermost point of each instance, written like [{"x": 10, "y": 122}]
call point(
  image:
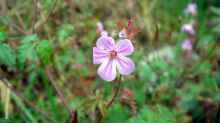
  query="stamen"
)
[{"x": 113, "y": 54}]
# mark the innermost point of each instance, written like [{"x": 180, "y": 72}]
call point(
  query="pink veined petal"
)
[
  {"x": 107, "y": 70},
  {"x": 104, "y": 33},
  {"x": 105, "y": 42},
  {"x": 99, "y": 55},
  {"x": 125, "y": 65},
  {"x": 125, "y": 47}
]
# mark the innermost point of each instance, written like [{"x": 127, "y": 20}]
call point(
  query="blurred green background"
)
[{"x": 51, "y": 40}]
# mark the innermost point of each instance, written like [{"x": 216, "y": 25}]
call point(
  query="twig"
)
[
  {"x": 34, "y": 15},
  {"x": 20, "y": 20},
  {"x": 40, "y": 112},
  {"x": 73, "y": 117},
  {"x": 3, "y": 5},
  {"x": 38, "y": 25},
  {"x": 19, "y": 29}
]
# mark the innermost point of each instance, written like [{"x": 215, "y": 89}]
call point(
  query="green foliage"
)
[
  {"x": 167, "y": 86},
  {"x": 3, "y": 36},
  {"x": 145, "y": 72},
  {"x": 116, "y": 114},
  {"x": 26, "y": 50},
  {"x": 2, "y": 120},
  {"x": 64, "y": 32},
  {"x": 7, "y": 55},
  {"x": 215, "y": 10},
  {"x": 79, "y": 57},
  {"x": 218, "y": 79},
  {"x": 28, "y": 114},
  {"x": 159, "y": 115},
  {"x": 44, "y": 50}
]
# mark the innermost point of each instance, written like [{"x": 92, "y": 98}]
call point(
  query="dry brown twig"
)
[
  {"x": 34, "y": 15},
  {"x": 44, "y": 20},
  {"x": 3, "y": 6}
]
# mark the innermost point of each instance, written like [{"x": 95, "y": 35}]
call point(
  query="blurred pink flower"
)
[
  {"x": 99, "y": 27},
  {"x": 104, "y": 33},
  {"x": 191, "y": 9},
  {"x": 188, "y": 28},
  {"x": 122, "y": 34},
  {"x": 112, "y": 57},
  {"x": 187, "y": 45}
]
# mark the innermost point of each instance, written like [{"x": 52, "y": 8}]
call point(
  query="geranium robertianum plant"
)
[{"x": 113, "y": 56}]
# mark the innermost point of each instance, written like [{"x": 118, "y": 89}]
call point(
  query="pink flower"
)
[
  {"x": 112, "y": 57},
  {"x": 99, "y": 27},
  {"x": 191, "y": 9},
  {"x": 187, "y": 45},
  {"x": 188, "y": 28},
  {"x": 122, "y": 34}
]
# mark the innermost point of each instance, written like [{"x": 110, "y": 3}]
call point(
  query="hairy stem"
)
[{"x": 116, "y": 90}]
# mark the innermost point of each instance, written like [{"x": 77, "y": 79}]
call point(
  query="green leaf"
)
[
  {"x": 116, "y": 114},
  {"x": 145, "y": 72},
  {"x": 24, "y": 52},
  {"x": 7, "y": 56},
  {"x": 29, "y": 39},
  {"x": 27, "y": 50},
  {"x": 215, "y": 10},
  {"x": 3, "y": 36},
  {"x": 79, "y": 57},
  {"x": 64, "y": 32},
  {"x": 44, "y": 51},
  {"x": 24, "y": 109},
  {"x": 161, "y": 115}
]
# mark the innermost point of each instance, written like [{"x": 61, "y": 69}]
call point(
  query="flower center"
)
[{"x": 113, "y": 54}]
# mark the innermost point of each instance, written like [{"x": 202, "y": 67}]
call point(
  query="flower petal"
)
[
  {"x": 105, "y": 42},
  {"x": 125, "y": 65},
  {"x": 124, "y": 47},
  {"x": 107, "y": 70},
  {"x": 99, "y": 55}
]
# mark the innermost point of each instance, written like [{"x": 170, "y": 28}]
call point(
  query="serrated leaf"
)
[
  {"x": 25, "y": 52},
  {"x": 7, "y": 56},
  {"x": 44, "y": 51}
]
